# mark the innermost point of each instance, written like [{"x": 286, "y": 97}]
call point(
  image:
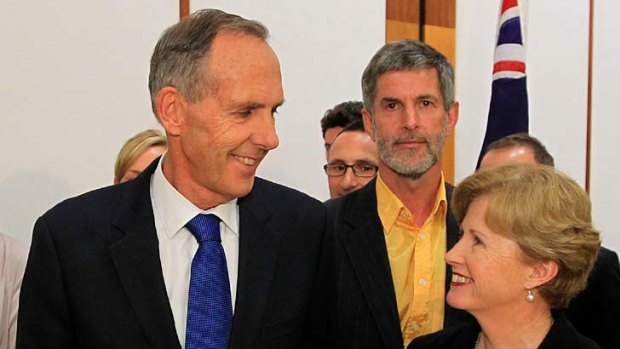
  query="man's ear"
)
[
  {"x": 169, "y": 106},
  {"x": 542, "y": 273},
  {"x": 367, "y": 119},
  {"x": 453, "y": 116}
]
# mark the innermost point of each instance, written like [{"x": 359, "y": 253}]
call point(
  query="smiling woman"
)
[{"x": 526, "y": 249}]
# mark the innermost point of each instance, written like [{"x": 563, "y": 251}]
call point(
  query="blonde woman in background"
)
[{"x": 137, "y": 153}]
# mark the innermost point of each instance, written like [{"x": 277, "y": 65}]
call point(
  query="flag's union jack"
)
[{"x": 508, "y": 112}]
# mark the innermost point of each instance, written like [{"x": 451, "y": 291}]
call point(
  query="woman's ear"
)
[{"x": 542, "y": 272}]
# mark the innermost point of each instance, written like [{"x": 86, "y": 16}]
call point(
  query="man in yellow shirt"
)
[{"x": 390, "y": 237}]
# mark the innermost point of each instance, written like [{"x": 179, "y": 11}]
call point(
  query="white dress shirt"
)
[{"x": 177, "y": 246}]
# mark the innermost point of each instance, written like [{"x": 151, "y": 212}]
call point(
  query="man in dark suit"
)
[
  {"x": 113, "y": 268},
  {"x": 589, "y": 311},
  {"x": 388, "y": 239}
]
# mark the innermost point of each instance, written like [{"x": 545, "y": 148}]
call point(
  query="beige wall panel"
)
[
  {"x": 403, "y": 10},
  {"x": 441, "y": 13},
  {"x": 397, "y": 30}
]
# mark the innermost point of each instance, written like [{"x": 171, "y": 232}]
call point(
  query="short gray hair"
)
[
  {"x": 183, "y": 49},
  {"x": 407, "y": 55}
]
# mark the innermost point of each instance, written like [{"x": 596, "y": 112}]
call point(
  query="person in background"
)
[
  {"x": 13, "y": 255},
  {"x": 518, "y": 147},
  {"x": 590, "y": 310},
  {"x": 337, "y": 118},
  {"x": 352, "y": 160},
  {"x": 137, "y": 154},
  {"x": 196, "y": 252},
  {"x": 526, "y": 249}
]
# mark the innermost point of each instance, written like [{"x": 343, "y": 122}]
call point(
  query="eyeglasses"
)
[{"x": 360, "y": 170}]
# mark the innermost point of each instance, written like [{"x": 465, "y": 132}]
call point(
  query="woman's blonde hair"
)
[
  {"x": 546, "y": 213},
  {"x": 134, "y": 147}
]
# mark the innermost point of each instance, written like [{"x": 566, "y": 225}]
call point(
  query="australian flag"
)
[{"x": 508, "y": 113}]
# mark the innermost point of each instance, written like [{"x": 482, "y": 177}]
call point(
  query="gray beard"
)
[{"x": 405, "y": 169}]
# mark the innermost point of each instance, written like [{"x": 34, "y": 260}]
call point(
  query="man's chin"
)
[
  {"x": 244, "y": 187},
  {"x": 410, "y": 172}
]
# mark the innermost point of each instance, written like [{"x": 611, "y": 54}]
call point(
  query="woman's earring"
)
[{"x": 530, "y": 296}]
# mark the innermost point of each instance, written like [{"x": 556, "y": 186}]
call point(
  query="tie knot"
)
[{"x": 205, "y": 227}]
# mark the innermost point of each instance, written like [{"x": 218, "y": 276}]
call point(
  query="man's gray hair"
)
[
  {"x": 182, "y": 51},
  {"x": 407, "y": 55}
]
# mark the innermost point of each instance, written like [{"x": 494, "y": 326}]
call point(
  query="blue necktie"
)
[{"x": 209, "y": 309}]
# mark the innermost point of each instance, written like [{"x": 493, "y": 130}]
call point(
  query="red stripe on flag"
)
[
  {"x": 509, "y": 66},
  {"x": 506, "y": 4}
]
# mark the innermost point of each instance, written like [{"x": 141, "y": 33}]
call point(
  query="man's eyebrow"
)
[
  {"x": 427, "y": 96},
  {"x": 389, "y": 100},
  {"x": 255, "y": 105},
  {"x": 248, "y": 105},
  {"x": 365, "y": 161}
]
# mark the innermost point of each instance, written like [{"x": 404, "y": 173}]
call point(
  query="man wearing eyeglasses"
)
[{"x": 352, "y": 160}]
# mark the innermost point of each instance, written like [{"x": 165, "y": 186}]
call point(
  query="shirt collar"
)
[
  {"x": 389, "y": 205},
  {"x": 175, "y": 210}
]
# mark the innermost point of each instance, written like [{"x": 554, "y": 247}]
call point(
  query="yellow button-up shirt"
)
[{"x": 417, "y": 262}]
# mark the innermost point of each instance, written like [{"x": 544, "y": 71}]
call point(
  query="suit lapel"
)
[
  {"x": 136, "y": 258},
  {"x": 259, "y": 243},
  {"x": 364, "y": 244}
]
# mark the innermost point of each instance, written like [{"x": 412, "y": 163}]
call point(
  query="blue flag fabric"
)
[{"x": 508, "y": 112}]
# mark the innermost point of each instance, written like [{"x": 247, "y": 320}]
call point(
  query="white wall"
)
[
  {"x": 557, "y": 49},
  {"x": 605, "y": 183},
  {"x": 74, "y": 77},
  {"x": 557, "y": 63}
]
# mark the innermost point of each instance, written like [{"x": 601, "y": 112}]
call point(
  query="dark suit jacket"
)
[
  {"x": 591, "y": 311},
  {"x": 363, "y": 310},
  {"x": 94, "y": 278},
  {"x": 562, "y": 335},
  {"x": 611, "y": 320}
]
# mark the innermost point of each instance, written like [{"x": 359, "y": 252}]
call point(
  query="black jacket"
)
[
  {"x": 562, "y": 335},
  {"x": 362, "y": 306},
  {"x": 94, "y": 278}
]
